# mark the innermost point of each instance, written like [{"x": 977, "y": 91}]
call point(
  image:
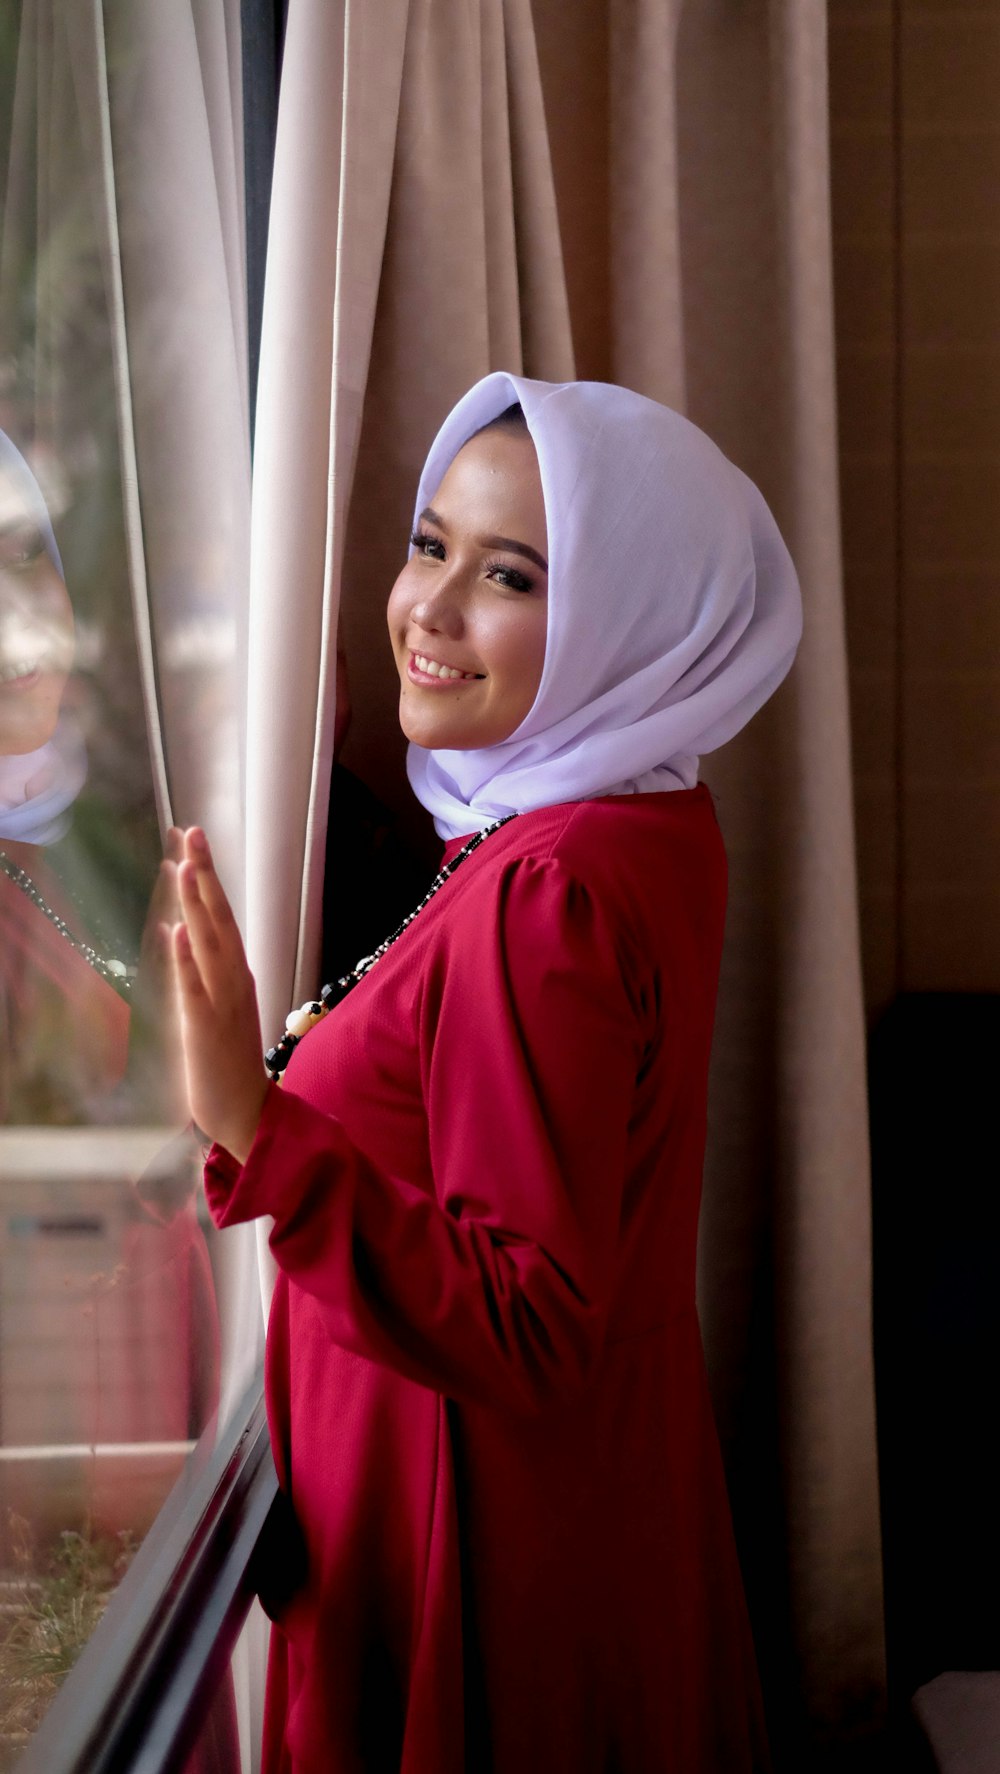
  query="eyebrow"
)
[{"x": 505, "y": 542}]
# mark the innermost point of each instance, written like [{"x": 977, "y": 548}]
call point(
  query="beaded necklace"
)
[
  {"x": 299, "y": 1022},
  {"x": 115, "y": 972}
]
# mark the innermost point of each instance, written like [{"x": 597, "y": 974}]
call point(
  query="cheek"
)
[
  {"x": 401, "y": 599},
  {"x": 62, "y": 625},
  {"x": 38, "y": 609},
  {"x": 521, "y": 647}
]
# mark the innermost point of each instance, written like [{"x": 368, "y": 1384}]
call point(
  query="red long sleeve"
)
[{"x": 493, "y": 1284}]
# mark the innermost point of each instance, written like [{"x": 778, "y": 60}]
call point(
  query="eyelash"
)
[{"x": 513, "y": 579}]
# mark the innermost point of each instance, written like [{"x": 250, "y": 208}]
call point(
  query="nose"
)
[{"x": 440, "y": 606}]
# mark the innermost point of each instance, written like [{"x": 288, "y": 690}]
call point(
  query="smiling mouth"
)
[
  {"x": 424, "y": 670},
  {"x": 20, "y": 674}
]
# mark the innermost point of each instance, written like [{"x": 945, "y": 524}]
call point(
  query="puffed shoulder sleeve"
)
[{"x": 496, "y": 1287}]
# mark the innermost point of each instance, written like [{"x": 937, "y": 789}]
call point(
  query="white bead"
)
[
  {"x": 118, "y": 968},
  {"x": 299, "y": 1022}
]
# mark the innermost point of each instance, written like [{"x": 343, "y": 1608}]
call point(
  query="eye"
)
[
  {"x": 509, "y": 577},
  {"x": 431, "y": 547},
  {"x": 20, "y": 547}
]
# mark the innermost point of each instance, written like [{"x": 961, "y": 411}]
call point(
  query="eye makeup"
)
[{"x": 510, "y": 578}]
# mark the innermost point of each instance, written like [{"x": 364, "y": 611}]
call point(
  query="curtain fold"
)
[
  {"x": 646, "y": 321},
  {"x": 638, "y": 193},
  {"x": 785, "y": 1270}
]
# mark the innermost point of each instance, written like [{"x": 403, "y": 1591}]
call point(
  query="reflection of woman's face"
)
[{"x": 36, "y": 628}]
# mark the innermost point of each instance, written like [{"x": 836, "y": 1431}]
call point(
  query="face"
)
[
  {"x": 467, "y": 614},
  {"x": 36, "y": 628}
]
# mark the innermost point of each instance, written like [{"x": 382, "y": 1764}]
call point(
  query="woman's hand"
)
[{"x": 220, "y": 1025}]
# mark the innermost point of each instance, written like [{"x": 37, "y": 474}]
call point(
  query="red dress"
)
[{"x": 486, "y": 1385}]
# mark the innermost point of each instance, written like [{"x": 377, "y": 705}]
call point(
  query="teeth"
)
[
  {"x": 433, "y": 670},
  {"x": 23, "y": 669}
]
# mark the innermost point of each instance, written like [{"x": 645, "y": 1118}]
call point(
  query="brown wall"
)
[{"x": 915, "y": 124}]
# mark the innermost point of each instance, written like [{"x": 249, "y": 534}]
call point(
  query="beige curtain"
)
[{"x": 638, "y": 191}]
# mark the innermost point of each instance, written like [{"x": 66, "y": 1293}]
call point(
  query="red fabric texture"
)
[{"x": 486, "y": 1385}]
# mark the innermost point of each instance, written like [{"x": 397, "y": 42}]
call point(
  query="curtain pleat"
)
[
  {"x": 785, "y": 1252},
  {"x": 646, "y": 323},
  {"x": 542, "y": 305}
]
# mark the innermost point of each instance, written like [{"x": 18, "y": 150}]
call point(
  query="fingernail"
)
[{"x": 198, "y": 838}]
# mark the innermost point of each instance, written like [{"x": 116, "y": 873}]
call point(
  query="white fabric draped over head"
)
[
  {"x": 37, "y": 788},
  {"x": 673, "y": 606}
]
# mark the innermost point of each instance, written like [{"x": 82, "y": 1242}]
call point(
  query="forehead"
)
[{"x": 494, "y": 480}]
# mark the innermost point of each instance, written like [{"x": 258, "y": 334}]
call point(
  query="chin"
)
[{"x": 431, "y": 739}]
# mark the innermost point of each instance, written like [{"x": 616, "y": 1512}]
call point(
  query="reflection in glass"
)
[{"x": 109, "y": 1342}]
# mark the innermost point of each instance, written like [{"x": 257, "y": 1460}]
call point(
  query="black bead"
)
[
  {"x": 277, "y": 1057},
  {"x": 336, "y": 990}
]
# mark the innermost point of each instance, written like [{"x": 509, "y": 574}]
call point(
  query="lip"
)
[
  {"x": 427, "y": 682},
  {"x": 28, "y": 682}
]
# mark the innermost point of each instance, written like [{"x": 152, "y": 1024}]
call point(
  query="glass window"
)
[{"x": 120, "y": 564}]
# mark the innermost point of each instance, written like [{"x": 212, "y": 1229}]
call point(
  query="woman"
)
[{"x": 485, "y": 1377}]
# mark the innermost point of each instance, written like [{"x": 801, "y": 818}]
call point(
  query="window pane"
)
[{"x": 109, "y": 1271}]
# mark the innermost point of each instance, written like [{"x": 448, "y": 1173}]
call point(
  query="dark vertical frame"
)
[{"x": 263, "y": 37}]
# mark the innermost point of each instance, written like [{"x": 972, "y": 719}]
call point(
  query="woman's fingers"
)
[
  {"x": 201, "y": 939},
  {"x": 220, "y": 1024},
  {"x": 188, "y": 972},
  {"x": 216, "y": 943},
  {"x": 213, "y": 896}
]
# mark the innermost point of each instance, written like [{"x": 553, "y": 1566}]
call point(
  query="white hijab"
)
[
  {"x": 673, "y": 606},
  {"x": 38, "y": 788}
]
